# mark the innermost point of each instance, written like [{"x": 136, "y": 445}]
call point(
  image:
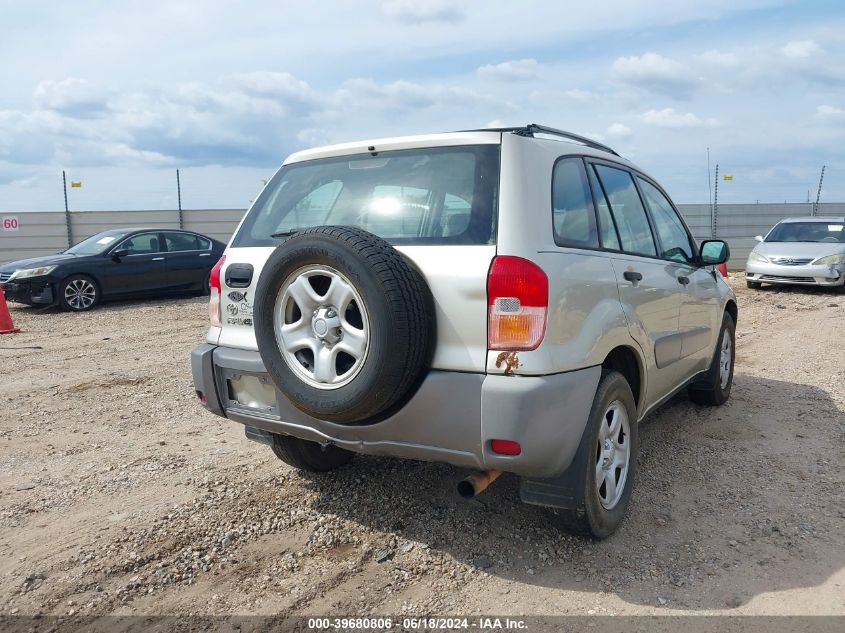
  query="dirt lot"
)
[{"x": 119, "y": 494}]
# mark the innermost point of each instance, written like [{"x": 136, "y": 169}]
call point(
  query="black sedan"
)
[{"x": 115, "y": 264}]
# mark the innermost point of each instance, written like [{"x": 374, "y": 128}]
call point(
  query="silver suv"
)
[{"x": 510, "y": 300}]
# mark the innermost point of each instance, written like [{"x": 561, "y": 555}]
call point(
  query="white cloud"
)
[
  {"x": 415, "y": 11},
  {"x": 830, "y": 113},
  {"x": 581, "y": 96},
  {"x": 720, "y": 59},
  {"x": 515, "y": 70},
  {"x": 669, "y": 118},
  {"x": 619, "y": 130},
  {"x": 405, "y": 95},
  {"x": 72, "y": 96},
  {"x": 801, "y": 49},
  {"x": 655, "y": 73},
  {"x": 274, "y": 84}
]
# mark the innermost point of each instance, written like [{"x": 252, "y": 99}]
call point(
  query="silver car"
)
[
  {"x": 803, "y": 251},
  {"x": 513, "y": 300}
]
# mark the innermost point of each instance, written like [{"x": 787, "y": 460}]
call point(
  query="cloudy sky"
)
[{"x": 120, "y": 94}]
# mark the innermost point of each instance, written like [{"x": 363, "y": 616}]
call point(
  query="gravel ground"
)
[{"x": 119, "y": 494}]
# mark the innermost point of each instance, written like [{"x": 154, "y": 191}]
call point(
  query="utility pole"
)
[
  {"x": 179, "y": 198},
  {"x": 714, "y": 214},
  {"x": 819, "y": 193},
  {"x": 67, "y": 212}
]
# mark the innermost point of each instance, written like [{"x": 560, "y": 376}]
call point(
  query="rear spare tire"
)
[{"x": 343, "y": 323}]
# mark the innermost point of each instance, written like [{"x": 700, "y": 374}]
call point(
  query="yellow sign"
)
[
  {"x": 75, "y": 183},
  {"x": 727, "y": 177}
]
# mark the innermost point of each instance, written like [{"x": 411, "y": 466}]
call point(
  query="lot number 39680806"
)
[{"x": 9, "y": 223}]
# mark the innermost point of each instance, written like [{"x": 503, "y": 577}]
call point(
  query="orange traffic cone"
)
[
  {"x": 6, "y": 325},
  {"x": 723, "y": 269}
]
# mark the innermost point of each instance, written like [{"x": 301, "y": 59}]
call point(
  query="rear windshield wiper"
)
[{"x": 289, "y": 232}]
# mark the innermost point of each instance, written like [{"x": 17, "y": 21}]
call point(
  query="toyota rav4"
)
[{"x": 507, "y": 300}]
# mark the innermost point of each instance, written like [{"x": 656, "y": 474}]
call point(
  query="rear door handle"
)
[
  {"x": 205, "y": 254},
  {"x": 683, "y": 280},
  {"x": 632, "y": 276},
  {"x": 158, "y": 259}
]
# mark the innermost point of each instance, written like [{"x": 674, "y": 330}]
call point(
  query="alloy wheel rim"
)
[
  {"x": 321, "y": 327},
  {"x": 725, "y": 360},
  {"x": 613, "y": 455},
  {"x": 80, "y": 294}
]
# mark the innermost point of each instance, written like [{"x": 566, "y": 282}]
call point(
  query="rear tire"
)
[
  {"x": 715, "y": 389},
  {"x": 309, "y": 456},
  {"x": 205, "y": 290},
  {"x": 603, "y": 506},
  {"x": 754, "y": 285}
]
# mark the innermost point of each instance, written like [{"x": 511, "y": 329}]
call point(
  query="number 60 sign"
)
[{"x": 9, "y": 223}]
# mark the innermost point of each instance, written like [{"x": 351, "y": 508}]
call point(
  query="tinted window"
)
[
  {"x": 424, "y": 196},
  {"x": 674, "y": 239},
  {"x": 627, "y": 210},
  {"x": 181, "y": 242},
  {"x": 142, "y": 244},
  {"x": 607, "y": 230},
  {"x": 572, "y": 211},
  {"x": 203, "y": 243}
]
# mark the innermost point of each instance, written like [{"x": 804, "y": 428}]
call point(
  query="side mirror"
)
[
  {"x": 714, "y": 252},
  {"x": 118, "y": 254},
  {"x": 759, "y": 238}
]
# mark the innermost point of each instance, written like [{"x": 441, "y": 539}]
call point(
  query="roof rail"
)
[{"x": 532, "y": 128}]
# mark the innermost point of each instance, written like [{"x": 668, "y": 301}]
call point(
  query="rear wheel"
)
[
  {"x": 715, "y": 388},
  {"x": 309, "y": 456},
  {"x": 613, "y": 444},
  {"x": 78, "y": 293},
  {"x": 754, "y": 285},
  {"x": 205, "y": 289}
]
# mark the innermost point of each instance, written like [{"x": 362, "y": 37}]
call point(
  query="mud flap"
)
[{"x": 564, "y": 491}]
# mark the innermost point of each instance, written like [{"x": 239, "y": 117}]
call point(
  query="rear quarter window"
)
[{"x": 573, "y": 219}]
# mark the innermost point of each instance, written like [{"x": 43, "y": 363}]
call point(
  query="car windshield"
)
[
  {"x": 96, "y": 243},
  {"x": 445, "y": 195},
  {"x": 808, "y": 232}
]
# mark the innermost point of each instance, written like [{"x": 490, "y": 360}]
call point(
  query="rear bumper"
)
[
  {"x": 452, "y": 418},
  {"x": 810, "y": 275}
]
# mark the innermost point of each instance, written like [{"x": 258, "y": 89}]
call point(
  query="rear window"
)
[{"x": 422, "y": 196}]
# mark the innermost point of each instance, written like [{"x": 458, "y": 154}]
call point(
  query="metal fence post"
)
[
  {"x": 67, "y": 213},
  {"x": 179, "y": 198},
  {"x": 714, "y": 227}
]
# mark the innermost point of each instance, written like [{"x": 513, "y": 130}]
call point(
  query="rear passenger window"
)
[
  {"x": 628, "y": 212},
  {"x": 572, "y": 210},
  {"x": 607, "y": 230},
  {"x": 180, "y": 242}
]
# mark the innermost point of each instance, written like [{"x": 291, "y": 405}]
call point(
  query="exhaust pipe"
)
[{"x": 476, "y": 484}]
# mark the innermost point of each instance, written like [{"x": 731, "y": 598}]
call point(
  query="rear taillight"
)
[
  {"x": 214, "y": 293},
  {"x": 518, "y": 301}
]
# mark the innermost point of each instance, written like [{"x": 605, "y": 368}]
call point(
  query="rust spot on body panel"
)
[{"x": 510, "y": 360}]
